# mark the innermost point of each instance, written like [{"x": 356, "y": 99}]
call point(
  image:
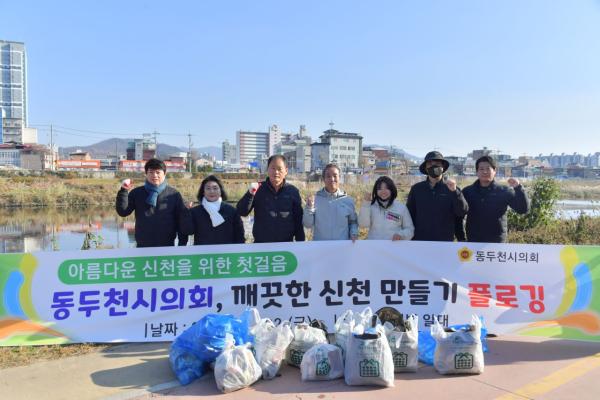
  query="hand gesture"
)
[
  {"x": 451, "y": 183},
  {"x": 368, "y": 197},
  {"x": 310, "y": 201},
  {"x": 513, "y": 182},
  {"x": 396, "y": 237},
  {"x": 126, "y": 184},
  {"x": 253, "y": 188}
]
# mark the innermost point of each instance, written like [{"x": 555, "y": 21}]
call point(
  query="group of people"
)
[{"x": 435, "y": 209}]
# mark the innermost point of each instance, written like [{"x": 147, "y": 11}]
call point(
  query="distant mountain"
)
[
  {"x": 397, "y": 151},
  {"x": 98, "y": 150},
  {"x": 214, "y": 151},
  {"x": 110, "y": 146}
]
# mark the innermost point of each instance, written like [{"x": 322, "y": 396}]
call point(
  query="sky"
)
[{"x": 518, "y": 76}]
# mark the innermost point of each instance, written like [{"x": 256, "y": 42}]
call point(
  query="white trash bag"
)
[
  {"x": 344, "y": 326},
  {"x": 363, "y": 320},
  {"x": 322, "y": 362},
  {"x": 458, "y": 352},
  {"x": 369, "y": 359},
  {"x": 270, "y": 344},
  {"x": 305, "y": 337},
  {"x": 236, "y": 369},
  {"x": 404, "y": 343}
]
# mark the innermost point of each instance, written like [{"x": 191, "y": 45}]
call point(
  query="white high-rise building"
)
[
  {"x": 274, "y": 138},
  {"x": 13, "y": 91},
  {"x": 229, "y": 152},
  {"x": 254, "y": 147},
  {"x": 251, "y": 146}
]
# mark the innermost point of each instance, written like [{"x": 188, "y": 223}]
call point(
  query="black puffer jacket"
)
[
  {"x": 230, "y": 231},
  {"x": 160, "y": 225},
  {"x": 434, "y": 210},
  {"x": 486, "y": 219},
  {"x": 277, "y": 215}
]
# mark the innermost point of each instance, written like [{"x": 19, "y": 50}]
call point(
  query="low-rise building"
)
[
  {"x": 138, "y": 166},
  {"x": 78, "y": 165},
  {"x": 35, "y": 157},
  {"x": 142, "y": 149},
  {"x": 341, "y": 148},
  {"x": 80, "y": 155}
]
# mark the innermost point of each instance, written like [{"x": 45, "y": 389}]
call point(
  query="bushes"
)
[
  {"x": 583, "y": 230},
  {"x": 540, "y": 226},
  {"x": 544, "y": 192}
]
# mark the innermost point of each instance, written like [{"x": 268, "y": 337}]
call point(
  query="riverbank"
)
[
  {"x": 583, "y": 230},
  {"x": 55, "y": 191}
]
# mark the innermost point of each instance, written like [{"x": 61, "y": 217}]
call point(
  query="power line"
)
[
  {"x": 75, "y": 134},
  {"x": 104, "y": 132},
  {"x": 190, "y": 151}
]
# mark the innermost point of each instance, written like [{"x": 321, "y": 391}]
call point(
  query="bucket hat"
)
[{"x": 434, "y": 155}]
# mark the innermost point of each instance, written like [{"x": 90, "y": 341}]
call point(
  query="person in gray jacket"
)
[{"x": 331, "y": 213}]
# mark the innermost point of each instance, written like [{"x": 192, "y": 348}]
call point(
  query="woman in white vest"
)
[
  {"x": 386, "y": 218},
  {"x": 331, "y": 213}
]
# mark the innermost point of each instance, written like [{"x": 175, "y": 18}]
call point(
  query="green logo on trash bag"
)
[
  {"x": 400, "y": 360},
  {"x": 369, "y": 368},
  {"x": 177, "y": 267},
  {"x": 323, "y": 368},
  {"x": 296, "y": 357},
  {"x": 463, "y": 361}
]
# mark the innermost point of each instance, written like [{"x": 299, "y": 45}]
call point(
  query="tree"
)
[
  {"x": 205, "y": 168},
  {"x": 544, "y": 193}
]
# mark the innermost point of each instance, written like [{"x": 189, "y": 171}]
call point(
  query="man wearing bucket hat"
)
[{"x": 436, "y": 203}]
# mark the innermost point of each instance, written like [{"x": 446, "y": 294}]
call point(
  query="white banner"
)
[{"x": 153, "y": 294}]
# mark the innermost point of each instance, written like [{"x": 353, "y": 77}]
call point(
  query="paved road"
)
[{"x": 516, "y": 368}]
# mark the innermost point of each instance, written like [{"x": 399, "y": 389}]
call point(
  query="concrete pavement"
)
[{"x": 516, "y": 368}]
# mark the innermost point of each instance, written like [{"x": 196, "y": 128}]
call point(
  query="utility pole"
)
[
  {"x": 190, "y": 151},
  {"x": 155, "y": 134},
  {"x": 51, "y": 149},
  {"x": 391, "y": 160}
]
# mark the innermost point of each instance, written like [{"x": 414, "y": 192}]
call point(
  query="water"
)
[
  {"x": 29, "y": 230},
  {"x": 570, "y": 209}
]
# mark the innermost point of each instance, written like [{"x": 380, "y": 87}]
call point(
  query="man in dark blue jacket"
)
[
  {"x": 160, "y": 213},
  {"x": 489, "y": 201},
  {"x": 435, "y": 204},
  {"x": 277, "y": 206}
]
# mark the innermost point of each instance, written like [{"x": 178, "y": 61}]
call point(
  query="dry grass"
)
[
  {"x": 52, "y": 191},
  {"x": 18, "y": 356}
]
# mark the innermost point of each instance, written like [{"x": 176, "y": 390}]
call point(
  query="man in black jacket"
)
[
  {"x": 435, "y": 204},
  {"x": 277, "y": 206},
  {"x": 160, "y": 214},
  {"x": 489, "y": 201}
]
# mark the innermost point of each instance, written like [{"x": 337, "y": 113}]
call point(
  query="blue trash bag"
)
[
  {"x": 185, "y": 364},
  {"x": 250, "y": 318},
  {"x": 426, "y": 347},
  {"x": 203, "y": 342},
  {"x": 427, "y": 342}
]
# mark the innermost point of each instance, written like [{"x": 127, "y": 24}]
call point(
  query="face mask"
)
[{"x": 435, "y": 172}]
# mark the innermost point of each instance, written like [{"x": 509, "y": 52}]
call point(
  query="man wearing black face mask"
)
[{"x": 435, "y": 204}]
